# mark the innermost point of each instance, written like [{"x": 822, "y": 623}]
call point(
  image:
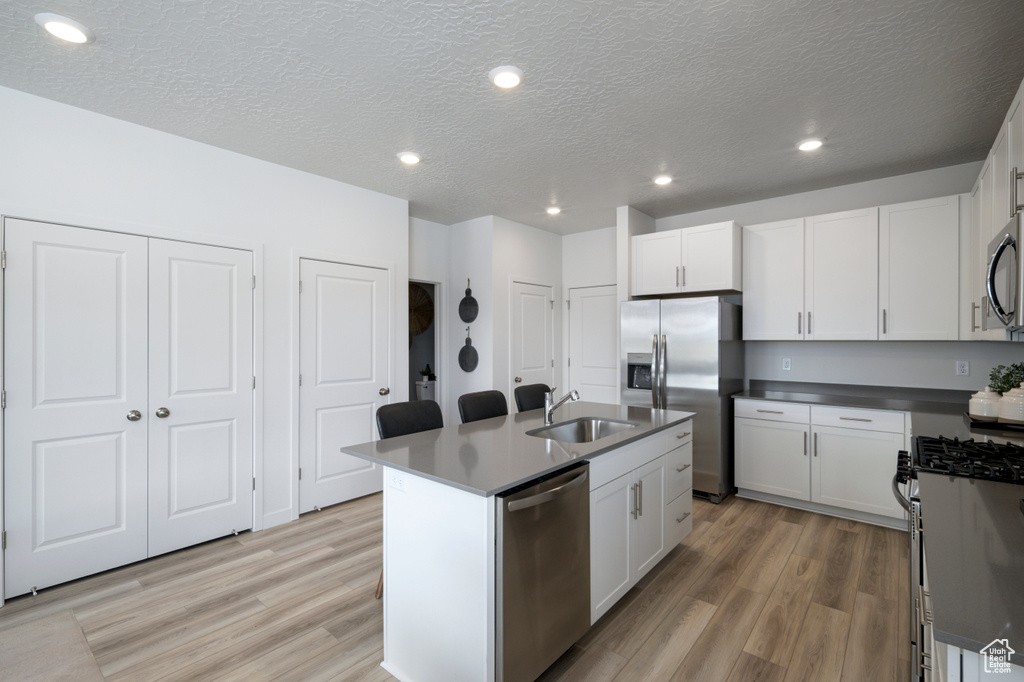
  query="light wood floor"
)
[{"x": 756, "y": 592}]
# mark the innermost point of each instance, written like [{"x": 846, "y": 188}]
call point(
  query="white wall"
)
[
  {"x": 939, "y": 182},
  {"x": 470, "y": 256},
  {"x": 522, "y": 254},
  {"x": 67, "y": 165}
]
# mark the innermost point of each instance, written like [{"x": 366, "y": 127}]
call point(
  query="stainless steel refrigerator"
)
[{"x": 687, "y": 354}]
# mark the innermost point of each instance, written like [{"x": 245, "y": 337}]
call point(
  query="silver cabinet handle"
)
[
  {"x": 854, "y": 419},
  {"x": 677, "y": 275},
  {"x": 799, "y": 323},
  {"x": 632, "y": 489},
  {"x": 519, "y": 380},
  {"x": 808, "y": 321},
  {"x": 884, "y": 321},
  {"x": 163, "y": 412},
  {"x": 974, "y": 308},
  {"x": 640, "y": 494},
  {"x": 805, "y": 443},
  {"x": 683, "y": 468},
  {"x": 684, "y": 275},
  {"x": 384, "y": 391},
  {"x": 682, "y": 518},
  {"x": 815, "y": 445},
  {"x": 134, "y": 416},
  {"x": 683, "y": 435},
  {"x": 1014, "y": 177},
  {"x": 772, "y": 411}
]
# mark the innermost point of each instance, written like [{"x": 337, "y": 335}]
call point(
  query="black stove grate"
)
[{"x": 969, "y": 459}]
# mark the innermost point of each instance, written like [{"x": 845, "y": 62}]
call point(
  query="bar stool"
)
[
  {"x": 482, "y": 405},
  {"x": 531, "y": 396},
  {"x": 400, "y": 419}
]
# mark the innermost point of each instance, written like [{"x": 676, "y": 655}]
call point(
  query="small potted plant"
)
[{"x": 1003, "y": 378}]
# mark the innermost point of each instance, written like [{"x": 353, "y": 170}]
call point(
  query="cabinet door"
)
[
  {"x": 649, "y": 527},
  {"x": 773, "y": 281},
  {"x": 1000, "y": 183},
  {"x": 919, "y": 245},
  {"x": 841, "y": 276},
  {"x": 771, "y": 457},
  {"x": 657, "y": 263},
  {"x": 853, "y": 469},
  {"x": 611, "y": 509},
  {"x": 711, "y": 258}
]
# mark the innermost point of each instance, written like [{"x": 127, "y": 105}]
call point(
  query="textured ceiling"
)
[{"x": 715, "y": 92}]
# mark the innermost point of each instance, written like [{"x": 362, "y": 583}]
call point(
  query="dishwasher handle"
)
[{"x": 547, "y": 496}]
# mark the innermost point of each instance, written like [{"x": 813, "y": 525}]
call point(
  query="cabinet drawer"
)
[
  {"x": 855, "y": 418},
  {"x": 678, "y": 519},
  {"x": 679, "y": 472},
  {"x": 678, "y": 435},
  {"x": 779, "y": 412},
  {"x": 609, "y": 466}
]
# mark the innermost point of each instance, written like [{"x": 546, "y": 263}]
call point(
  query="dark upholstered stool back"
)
[
  {"x": 399, "y": 419},
  {"x": 482, "y": 405},
  {"x": 530, "y": 396}
]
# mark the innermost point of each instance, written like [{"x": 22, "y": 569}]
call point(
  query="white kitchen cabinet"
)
[
  {"x": 693, "y": 259},
  {"x": 773, "y": 281},
  {"x": 835, "y": 458},
  {"x": 841, "y": 276},
  {"x": 918, "y": 257},
  {"x": 639, "y": 510},
  {"x": 981, "y": 222}
]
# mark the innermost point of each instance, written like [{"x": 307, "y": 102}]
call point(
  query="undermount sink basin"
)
[{"x": 582, "y": 430}]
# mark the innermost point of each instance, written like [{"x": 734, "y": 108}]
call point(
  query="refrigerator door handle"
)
[
  {"x": 655, "y": 368},
  {"x": 663, "y": 374}
]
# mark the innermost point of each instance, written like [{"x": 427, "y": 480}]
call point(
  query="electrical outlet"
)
[
  {"x": 963, "y": 368},
  {"x": 787, "y": 364},
  {"x": 396, "y": 480}
]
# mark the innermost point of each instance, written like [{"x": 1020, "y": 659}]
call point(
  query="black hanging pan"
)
[
  {"x": 468, "y": 307},
  {"x": 468, "y": 357}
]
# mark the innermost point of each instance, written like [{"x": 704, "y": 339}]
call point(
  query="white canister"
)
[
  {"x": 984, "y": 405},
  {"x": 1011, "y": 406}
]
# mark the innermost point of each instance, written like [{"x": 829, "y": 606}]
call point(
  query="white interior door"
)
[
  {"x": 344, "y": 339},
  {"x": 593, "y": 330},
  {"x": 200, "y": 393},
  {"x": 532, "y": 335},
  {"x": 75, "y": 361}
]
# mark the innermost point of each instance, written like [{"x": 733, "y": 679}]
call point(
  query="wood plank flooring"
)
[{"x": 756, "y": 592}]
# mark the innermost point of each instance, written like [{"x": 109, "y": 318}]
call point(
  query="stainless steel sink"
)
[{"x": 582, "y": 430}]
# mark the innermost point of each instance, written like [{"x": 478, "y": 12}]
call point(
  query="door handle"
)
[
  {"x": 384, "y": 391},
  {"x": 519, "y": 380},
  {"x": 163, "y": 412},
  {"x": 974, "y": 309},
  {"x": 684, "y": 434},
  {"x": 663, "y": 372},
  {"x": 682, "y": 518},
  {"x": 1005, "y": 316},
  {"x": 655, "y": 368},
  {"x": 683, "y": 468},
  {"x": 134, "y": 416}
]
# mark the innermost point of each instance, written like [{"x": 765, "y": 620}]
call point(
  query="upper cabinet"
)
[
  {"x": 918, "y": 256},
  {"x": 689, "y": 260},
  {"x": 877, "y": 273}
]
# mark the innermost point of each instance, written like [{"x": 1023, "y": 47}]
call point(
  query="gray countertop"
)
[
  {"x": 974, "y": 544},
  {"x": 490, "y": 456}
]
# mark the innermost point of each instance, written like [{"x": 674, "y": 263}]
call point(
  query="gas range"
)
[{"x": 988, "y": 460}]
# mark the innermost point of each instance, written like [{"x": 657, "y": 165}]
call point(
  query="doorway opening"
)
[{"x": 423, "y": 341}]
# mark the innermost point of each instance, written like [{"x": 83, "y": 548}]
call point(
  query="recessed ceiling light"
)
[
  {"x": 65, "y": 29},
  {"x": 809, "y": 145},
  {"x": 409, "y": 158},
  {"x": 506, "y": 76},
  {"x": 662, "y": 179},
  {"x": 554, "y": 210}
]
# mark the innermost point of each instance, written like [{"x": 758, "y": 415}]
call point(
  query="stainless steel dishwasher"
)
[{"x": 543, "y": 572}]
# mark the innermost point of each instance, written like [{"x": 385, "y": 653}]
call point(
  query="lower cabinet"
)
[
  {"x": 834, "y": 456},
  {"x": 638, "y": 512}
]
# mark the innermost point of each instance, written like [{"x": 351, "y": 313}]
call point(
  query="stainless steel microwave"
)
[{"x": 1003, "y": 279}]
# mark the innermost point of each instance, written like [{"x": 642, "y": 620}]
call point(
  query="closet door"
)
[
  {"x": 200, "y": 393},
  {"x": 76, "y": 418}
]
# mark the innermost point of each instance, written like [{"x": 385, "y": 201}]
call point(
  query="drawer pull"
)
[
  {"x": 683, "y": 435},
  {"x": 683, "y": 468},
  {"x": 772, "y": 411},
  {"x": 854, "y": 419},
  {"x": 682, "y": 518}
]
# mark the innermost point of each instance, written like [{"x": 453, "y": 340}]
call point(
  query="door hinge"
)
[
  {"x": 254, "y": 282},
  {"x": 300, "y": 286},
  {"x": 300, "y": 380},
  {"x": 552, "y": 304},
  {"x": 300, "y": 473},
  {"x": 254, "y": 484}
]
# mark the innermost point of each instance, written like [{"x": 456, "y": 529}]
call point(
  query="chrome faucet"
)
[{"x": 549, "y": 409}]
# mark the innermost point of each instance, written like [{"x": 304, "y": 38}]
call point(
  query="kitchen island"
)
[{"x": 440, "y": 523}]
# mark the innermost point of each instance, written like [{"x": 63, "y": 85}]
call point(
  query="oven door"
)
[{"x": 1003, "y": 278}]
